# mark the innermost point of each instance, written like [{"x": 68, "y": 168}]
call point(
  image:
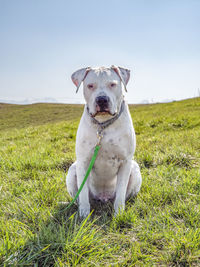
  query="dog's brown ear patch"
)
[
  {"x": 124, "y": 74},
  {"x": 79, "y": 76}
]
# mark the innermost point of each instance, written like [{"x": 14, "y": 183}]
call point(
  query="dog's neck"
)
[{"x": 111, "y": 119}]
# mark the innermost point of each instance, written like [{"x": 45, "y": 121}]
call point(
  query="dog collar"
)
[{"x": 105, "y": 124}]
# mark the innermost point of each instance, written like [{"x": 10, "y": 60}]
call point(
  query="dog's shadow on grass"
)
[{"x": 100, "y": 212}]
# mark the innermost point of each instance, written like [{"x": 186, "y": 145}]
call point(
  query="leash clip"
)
[{"x": 99, "y": 136}]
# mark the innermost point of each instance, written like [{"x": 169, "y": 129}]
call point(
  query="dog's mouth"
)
[{"x": 102, "y": 112}]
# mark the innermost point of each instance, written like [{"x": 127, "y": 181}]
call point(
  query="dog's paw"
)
[
  {"x": 84, "y": 211},
  {"x": 119, "y": 208}
]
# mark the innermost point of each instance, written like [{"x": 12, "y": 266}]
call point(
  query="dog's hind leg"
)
[
  {"x": 71, "y": 180},
  {"x": 135, "y": 180}
]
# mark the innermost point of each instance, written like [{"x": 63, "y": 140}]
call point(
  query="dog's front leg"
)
[
  {"x": 84, "y": 204},
  {"x": 122, "y": 183}
]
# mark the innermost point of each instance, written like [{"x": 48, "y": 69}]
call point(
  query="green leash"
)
[{"x": 96, "y": 150}]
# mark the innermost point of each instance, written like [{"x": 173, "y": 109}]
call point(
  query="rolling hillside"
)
[{"x": 160, "y": 227}]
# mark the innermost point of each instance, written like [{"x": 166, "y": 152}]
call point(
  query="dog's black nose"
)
[{"x": 102, "y": 101}]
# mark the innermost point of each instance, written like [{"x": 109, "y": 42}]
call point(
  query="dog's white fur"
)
[{"x": 115, "y": 175}]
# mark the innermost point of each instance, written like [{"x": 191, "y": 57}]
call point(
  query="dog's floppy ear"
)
[
  {"x": 79, "y": 76},
  {"x": 124, "y": 74}
]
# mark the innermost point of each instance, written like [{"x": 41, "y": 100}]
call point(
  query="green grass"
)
[{"x": 160, "y": 227}]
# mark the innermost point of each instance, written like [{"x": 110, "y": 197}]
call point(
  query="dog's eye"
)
[
  {"x": 112, "y": 85},
  {"x": 90, "y": 86}
]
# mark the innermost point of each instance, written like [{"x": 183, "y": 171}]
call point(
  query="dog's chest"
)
[
  {"x": 112, "y": 153},
  {"x": 109, "y": 157},
  {"x": 117, "y": 145}
]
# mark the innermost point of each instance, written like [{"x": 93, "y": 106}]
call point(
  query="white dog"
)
[{"x": 114, "y": 175}]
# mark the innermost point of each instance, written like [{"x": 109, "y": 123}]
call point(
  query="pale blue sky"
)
[{"x": 43, "y": 41}]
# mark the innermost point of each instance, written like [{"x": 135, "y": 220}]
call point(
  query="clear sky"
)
[{"x": 43, "y": 41}]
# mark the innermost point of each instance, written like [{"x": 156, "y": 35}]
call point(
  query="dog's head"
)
[{"x": 102, "y": 89}]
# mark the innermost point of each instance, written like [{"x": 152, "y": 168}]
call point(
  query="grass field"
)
[{"x": 160, "y": 227}]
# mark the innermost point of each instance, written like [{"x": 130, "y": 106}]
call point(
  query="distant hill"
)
[{"x": 32, "y": 100}]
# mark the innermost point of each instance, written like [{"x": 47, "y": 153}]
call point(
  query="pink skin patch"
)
[
  {"x": 97, "y": 109},
  {"x": 76, "y": 82},
  {"x": 104, "y": 197}
]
